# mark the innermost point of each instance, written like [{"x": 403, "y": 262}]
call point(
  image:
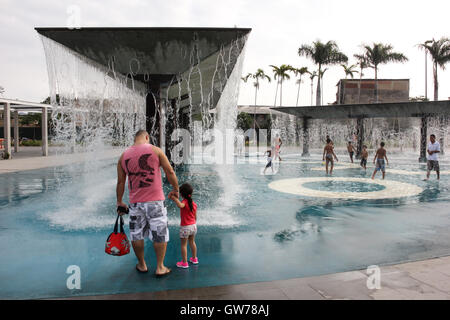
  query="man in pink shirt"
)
[{"x": 141, "y": 163}]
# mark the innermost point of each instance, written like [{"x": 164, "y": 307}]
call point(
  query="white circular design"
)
[
  {"x": 393, "y": 189},
  {"x": 388, "y": 170}
]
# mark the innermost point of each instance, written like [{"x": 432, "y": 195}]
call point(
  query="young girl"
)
[{"x": 188, "y": 226}]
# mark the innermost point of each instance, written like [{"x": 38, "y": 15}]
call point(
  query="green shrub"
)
[{"x": 32, "y": 143}]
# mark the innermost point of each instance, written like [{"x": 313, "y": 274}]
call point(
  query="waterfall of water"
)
[
  {"x": 96, "y": 108},
  {"x": 226, "y": 112}
]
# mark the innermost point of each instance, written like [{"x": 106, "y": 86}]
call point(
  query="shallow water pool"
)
[{"x": 57, "y": 217}]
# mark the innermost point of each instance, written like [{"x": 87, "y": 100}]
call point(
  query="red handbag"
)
[{"x": 117, "y": 243}]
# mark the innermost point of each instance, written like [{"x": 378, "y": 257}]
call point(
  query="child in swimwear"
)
[
  {"x": 380, "y": 155},
  {"x": 351, "y": 150},
  {"x": 188, "y": 225},
  {"x": 278, "y": 144},
  {"x": 269, "y": 160},
  {"x": 328, "y": 153},
  {"x": 364, "y": 156}
]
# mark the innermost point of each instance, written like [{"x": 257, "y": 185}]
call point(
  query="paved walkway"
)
[
  {"x": 30, "y": 158},
  {"x": 427, "y": 279}
]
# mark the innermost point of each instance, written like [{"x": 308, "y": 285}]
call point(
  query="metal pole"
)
[
  {"x": 423, "y": 139},
  {"x": 44, "y": 127},
  {"x": 7, "y": 128},
  {"x": 305, "y": 128},
  {"x": 360, "y": 134},
  {"x": 16, "y": 131},
  {"x": 426, "y": 76}
]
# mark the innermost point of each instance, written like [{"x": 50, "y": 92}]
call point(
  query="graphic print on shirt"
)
[{"x": 144, "y": 175}]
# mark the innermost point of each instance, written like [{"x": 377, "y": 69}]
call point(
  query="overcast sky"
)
[{"x": 279, "y": 28}]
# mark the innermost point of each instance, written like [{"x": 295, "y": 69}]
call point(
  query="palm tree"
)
[
  {"x": 362, "y": 64},
  {"x": 380, "y": 53},
  {"x": 281, "y": 73},
  {"x": 440, "y": 54},
  {"x": 259, "y": 74},
  {"x": 312, "y": 75},
  {"x": 321, "y": 74},
  {"x": 299, "y": 72},
  {"x": 349, "y": 71},
  {"x": 322, "y": 54}
]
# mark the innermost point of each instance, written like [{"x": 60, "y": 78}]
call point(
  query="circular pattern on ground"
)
[
  {"x": 393, "y": 189},
  {"x": 343, "y": 186},
  {"x": 388, "y": 170}
]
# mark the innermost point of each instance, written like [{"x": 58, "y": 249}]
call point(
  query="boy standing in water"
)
[
  {"x": 379, "y": 157},
  {"x": 364, "y": 156},
  {"x": 434, "y": 148},
  {"x": 328, "y": 154},
  {"x": 351, "y": 150}
]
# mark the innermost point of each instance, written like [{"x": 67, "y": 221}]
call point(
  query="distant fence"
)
[{"x": 34, "y": 133}]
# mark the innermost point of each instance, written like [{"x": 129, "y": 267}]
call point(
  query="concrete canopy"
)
[
  {"x": 373, "y": 110},
  {"x": 155, "y": 55}
]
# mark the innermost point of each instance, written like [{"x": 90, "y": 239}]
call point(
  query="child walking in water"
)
[
  {"x": 188, "y": 225},
  {"x": 328, "y": 154},
  {"x": 269, "y": 160},
  {"x": 364, "y": 156},
  {"x": 379, "y": 157},
  {"x": 351, "y": 150}
]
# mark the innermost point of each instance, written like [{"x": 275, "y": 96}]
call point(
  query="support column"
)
[
  {"x": 360, "y": 135},
  {"x": 44, "y": 127},
  {"x": 162, "y": 122},
  {"x": 170, "y": 126},
  {"x": 305, "y": 128},
  {"x": 443, "y": 125},
  {"x": 16, "y": 131},
  {"x": 7, "y": 128},
  {"x": 153, "y": 113},
  {"x": 423, "y": 139}
]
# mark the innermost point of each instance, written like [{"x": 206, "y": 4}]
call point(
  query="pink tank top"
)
[{"x": 142, "y": 167}]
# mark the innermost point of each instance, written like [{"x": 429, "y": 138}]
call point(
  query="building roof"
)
[
  {"x": 21, "y": 105},
  {"x": 362, "y": 80},
  {"x": 257, "y": 110}
]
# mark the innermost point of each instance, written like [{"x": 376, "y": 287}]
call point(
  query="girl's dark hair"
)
[{"x": 186, "y": 192}]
